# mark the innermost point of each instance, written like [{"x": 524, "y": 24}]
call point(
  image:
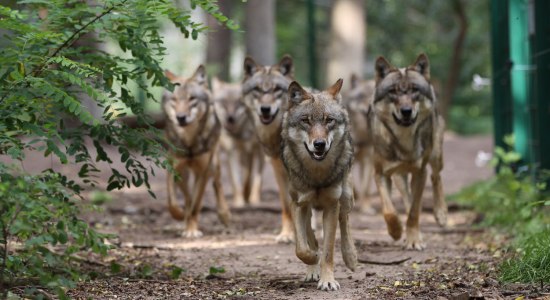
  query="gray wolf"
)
[
  {"x": 193, "y": 129},
  {"x": 244, "y": 153},
  {"x": 407, "y": 134},
  {"x": 358, "y": 100},
  {"x": 265, "y": 95},
  {"x": 317, "y": 153}
]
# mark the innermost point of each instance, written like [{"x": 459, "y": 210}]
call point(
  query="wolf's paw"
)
[
  {"x": 285, "y": 238},
  {"x": 312, "y": 273},
  {"x": 193, "y": 233},
  {"x": 350, "y": 257},
  {"x": 225, "y": 217},
  {"x": 440, "y": 214},
  {"x": 414, "y": 240},
  {"x": 238, "y": 201},
  {"x": 394, "y": 226},
  {"x": 328, "y": 285}
]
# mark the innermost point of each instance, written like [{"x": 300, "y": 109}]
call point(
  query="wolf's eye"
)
[
  {"x": 414, "y": 89},
  {"x": 330, "y": 121},
  {"x": 277, "y": 90},
  {"x": 257, "y": 90},
  {"x": 305, "y": 120}
]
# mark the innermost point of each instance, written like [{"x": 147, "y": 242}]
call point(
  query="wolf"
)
[
  {"x": 358, "y": 100},
  {"x": 407, "y": 134},
  {"x": 244, "y": 153},
  {"x": 317, "y": 152},
  {"x": 193, "y": 130},
  {"x": 265, "y": 95}
]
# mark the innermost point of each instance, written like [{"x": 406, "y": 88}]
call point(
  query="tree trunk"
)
[
  {"x": 347, "y": 40},
  {"x": 455, "y": 65},
  {"x": 260, "y": 31},
  {"x": 219, "y": 43}
]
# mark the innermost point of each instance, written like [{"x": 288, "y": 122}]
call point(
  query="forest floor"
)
[{"x": 244, "y": 261}]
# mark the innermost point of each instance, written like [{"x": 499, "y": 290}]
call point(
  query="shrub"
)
[{"x": 48, "y": 65}]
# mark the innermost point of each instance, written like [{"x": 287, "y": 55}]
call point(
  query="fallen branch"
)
[{"x": 383, "y": 263}]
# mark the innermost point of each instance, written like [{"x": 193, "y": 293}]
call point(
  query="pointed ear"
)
[
  {"x": 171, "y": 76},
  {"x": 354, "y": 81},
  {"x": 381, "y": 68},
  {"x": 216, "y": 83},
  {"x": 296, "y": 93},
  {"x": 200, "y": 75},
  {"x": 422, "y": 65},
  {"x": 286, "y": 66},
  {"x": 250, "y": 67},
  {"x": 334, "y": 90}
]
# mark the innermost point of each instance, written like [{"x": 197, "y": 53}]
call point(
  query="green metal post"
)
[
  {"x": 541, "y": 57},
  {"x": 312, "y": 54},
  {"x": 500, "y": 55},
  {"x": 521, "y": 75}
]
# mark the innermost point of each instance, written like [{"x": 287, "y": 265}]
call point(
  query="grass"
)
[{"x": 516, "y": 204}]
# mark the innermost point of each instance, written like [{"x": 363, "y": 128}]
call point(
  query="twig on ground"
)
[{"x": 384, "y": 263}]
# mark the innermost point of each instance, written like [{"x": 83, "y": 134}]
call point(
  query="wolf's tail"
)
[{"x": 349, "y": 253}]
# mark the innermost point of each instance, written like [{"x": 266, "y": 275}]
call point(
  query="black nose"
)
[
  {"x": 182, "y": 119},
  {"x": 406, "y": 112},
  {"x": 265, "y": 110},
  {"x": 230, "y": 119},
  {"x": 319, "y": 145}
]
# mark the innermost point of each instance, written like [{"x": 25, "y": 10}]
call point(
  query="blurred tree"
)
[
  {"x": 219, "y": 43},
  {"x": 456, "y": 58},
  {"x": 347, "y": 40},
  {"x": 260, "y": 31}
]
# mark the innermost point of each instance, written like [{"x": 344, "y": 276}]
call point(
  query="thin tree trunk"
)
[
  {"x": 219, "y": 43},
  {"x": 455, "y": 65},
  {"x": 347, "y": 40},
  {"x": 260, "y": 31}
]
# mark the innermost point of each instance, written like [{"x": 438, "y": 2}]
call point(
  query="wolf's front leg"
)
[
  {"x": 287, "y": 230},
  {"x": 224, "y": 215},
  {"x": 383, "y": 182},
  {"x": 302, "y": 216},
  {"x": 414, "y": 238},
  {"x": 330, "y": 221}
]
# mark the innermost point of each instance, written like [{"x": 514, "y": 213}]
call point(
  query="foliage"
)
[
  {"x": 61, "y": 95},
  {"x": 515, "y": 203}
]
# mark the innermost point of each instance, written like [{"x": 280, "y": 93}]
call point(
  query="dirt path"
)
[{"x": 459, "y": 261}]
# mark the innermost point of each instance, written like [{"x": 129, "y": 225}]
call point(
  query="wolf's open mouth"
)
[
  {"x": 317, "y": 155},
  {"x": 404, "y": 123},
  {"x": 269, "y": 118}
]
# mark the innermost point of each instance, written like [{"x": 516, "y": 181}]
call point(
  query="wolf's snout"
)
[
  {"x": 230, "y": 119},
  {"x": 266, "y": 110},
  {"x": 406, "y": 112},
  {"x": 182, "y": 119},
  {"x": 319, "y": 145}
]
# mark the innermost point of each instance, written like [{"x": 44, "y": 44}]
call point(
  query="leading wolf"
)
[
  {"x": 407, "y": 134},
  {"x": 317, "y": 154}
]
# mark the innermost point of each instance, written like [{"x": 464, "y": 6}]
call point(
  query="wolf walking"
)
[
  {"x": 407, "y": 135},
  {"x": 193, "y": 129},
  {"x": 317, "y": 153},
  {"x": 265, "y": 95}
]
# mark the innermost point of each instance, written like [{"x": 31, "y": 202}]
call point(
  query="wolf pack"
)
[{"x": 388, "y": 127}]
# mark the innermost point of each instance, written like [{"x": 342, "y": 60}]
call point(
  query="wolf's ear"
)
[
  {"x": 422, "y": 65},
  {"x": 381, "y": 68},
  {"x": 250, "y": 67},
  {"x": 354, "y": 81},
  {"x": 171, "y": 76},
  {"x": 200, "y": 75},
  {"x": 334, "y": 90},
  {"x": 296, "y": 93},
  {"x": 286, "y": 66}
]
